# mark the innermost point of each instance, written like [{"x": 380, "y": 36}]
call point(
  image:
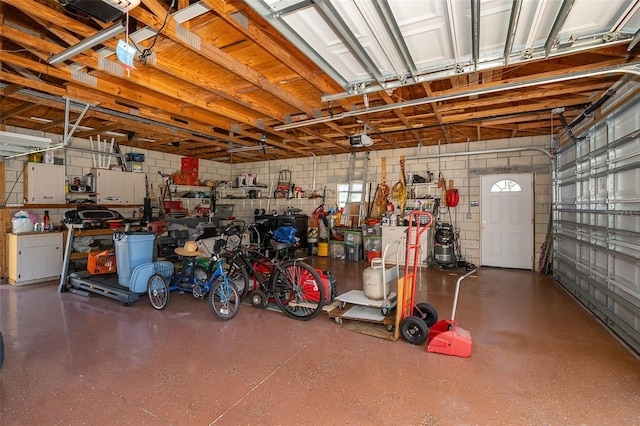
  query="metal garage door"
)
[{"x": 597, "y": 221}]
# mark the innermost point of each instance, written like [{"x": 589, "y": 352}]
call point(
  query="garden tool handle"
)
[{"x": 455, "y": 296}]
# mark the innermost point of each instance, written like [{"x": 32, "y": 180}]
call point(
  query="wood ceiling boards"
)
[{"x": 220, "y": 74}]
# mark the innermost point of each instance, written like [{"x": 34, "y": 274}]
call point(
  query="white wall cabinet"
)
[
  {"x": 116, "y": 187},
  {"x": 44, "y": 184},
  {"x": 33, "y": 258}
]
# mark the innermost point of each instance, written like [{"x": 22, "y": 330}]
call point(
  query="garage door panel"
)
[
  {"x": 624, "y": 123},
  {"x": 628, "y": 223},
  {"x": 626, "y": 185},
  {"x": 597, "y": 221}
]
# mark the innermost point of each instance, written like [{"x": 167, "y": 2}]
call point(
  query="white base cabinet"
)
[
  {"x": 33, "y": 258},
  {"x": 392, "y": 233}
]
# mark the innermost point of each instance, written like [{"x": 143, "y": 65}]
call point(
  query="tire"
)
[
  {"x": 414, "y": 330},
  {"x": 237, "y": 273},
  {"x": 258, "y": 299},
  {"x": 224, "y": 300},
  {"x": 158, "y": 291},
  {"x": 298, "y": 290},
  {"x": 427, "y": 312}
]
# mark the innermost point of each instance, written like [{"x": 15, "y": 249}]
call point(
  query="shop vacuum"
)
[{"x": 444, "y": 245}]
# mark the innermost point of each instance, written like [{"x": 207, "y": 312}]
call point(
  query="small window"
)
[
  {"x": 343, "y": 192},
  {"x": 506, "y": 185}
]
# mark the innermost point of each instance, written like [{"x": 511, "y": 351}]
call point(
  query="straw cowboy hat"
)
[{"x": 190, "y": 249}]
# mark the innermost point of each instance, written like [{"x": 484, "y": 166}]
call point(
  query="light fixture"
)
[
  {"x": 41, "y": 120},
  {"x": 8, "y": 139},
  {"x": 116, "y": 134},
  {"x": 248, "y": 148},
  {"x": 84, "y": 128},
  {"x": 88, "y": 43}
]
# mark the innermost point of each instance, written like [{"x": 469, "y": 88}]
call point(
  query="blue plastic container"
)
[{"x": 132, "y": 249}]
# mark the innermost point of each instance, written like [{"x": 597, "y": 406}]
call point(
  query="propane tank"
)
[{"x": 373, "y": 280}]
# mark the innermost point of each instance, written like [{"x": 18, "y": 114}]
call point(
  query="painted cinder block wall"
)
[
  {"x": 465, "y": 170},
  {"x": 327, "y": 171}
]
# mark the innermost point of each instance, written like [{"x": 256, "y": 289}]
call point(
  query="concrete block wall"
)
[
  {"x": 465, "y": 171},
  {"x": 315, "y": 174},
  {"x": 79, "y": 161}
]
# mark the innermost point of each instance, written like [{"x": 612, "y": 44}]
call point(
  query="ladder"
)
[{"x": 357, "y": 177}]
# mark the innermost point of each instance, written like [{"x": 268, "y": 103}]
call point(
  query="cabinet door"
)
[
  {"x": 110, "y": 186},
  {"x": 44, "y": 184},
  {"x": 34, "y": 257},
  {"x": 394, "y": 233},
  {"x": 134, "y": 188}
]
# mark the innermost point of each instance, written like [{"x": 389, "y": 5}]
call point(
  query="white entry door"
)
[{"x": 507, "y": 221}]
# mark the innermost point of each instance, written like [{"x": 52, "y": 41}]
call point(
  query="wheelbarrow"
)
[{"x": 445, "y": 337}]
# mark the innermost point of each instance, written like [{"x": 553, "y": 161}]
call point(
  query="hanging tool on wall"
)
[
  {"x": 382, "y": 193},
  {"x": 284, "y": 184},
  {"x": 442, "y": 184},
  {"x": 453, "y": 196},
  {"x": 399, "y": 190}
]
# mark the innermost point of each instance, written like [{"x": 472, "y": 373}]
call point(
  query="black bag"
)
[{"x": 419, "y": 179}]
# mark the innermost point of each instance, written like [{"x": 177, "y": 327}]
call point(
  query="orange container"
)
[
  {"x": 101, "y": 262},
  {"x": 372, "y": 255}
]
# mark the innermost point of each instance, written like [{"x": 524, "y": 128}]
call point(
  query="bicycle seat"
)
[{"x": 279, "y": 245}]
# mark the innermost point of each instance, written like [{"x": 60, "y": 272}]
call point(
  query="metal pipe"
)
[
  {"x": 488, "y": 151},
  {"x": 624, "y": 68},
  {"x": 313, "y": 182}
]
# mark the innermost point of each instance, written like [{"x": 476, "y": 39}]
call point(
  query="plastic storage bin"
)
[
  {"x": 336, "y": 250},
  {"x": 353, "y": 252},
  {"x": 372, "y": 243},
  {"x": 132, "y": 249},
  {"x": 353, "y": 237},
  {"x": 371, "y": 230}
]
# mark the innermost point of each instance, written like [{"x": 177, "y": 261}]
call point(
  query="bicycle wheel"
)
[
  {"x": 237, "y": 273},
  {"x": 158, "y": 291},
  {"x": 224, "y": 300},
  {"x": 298, "y": 290}
]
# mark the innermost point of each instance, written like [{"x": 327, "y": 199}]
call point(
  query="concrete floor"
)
[{"x": 538, "y": 358}]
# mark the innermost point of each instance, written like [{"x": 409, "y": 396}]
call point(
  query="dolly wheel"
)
[
  {"x": 427, "y": 312},
  {"x": 258, "y": 300},
  {"x": 414, "y": 330},
  {"x": 338, "y": 320}
]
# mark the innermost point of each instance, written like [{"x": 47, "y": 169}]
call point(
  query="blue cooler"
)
[{"x": 132, "y": 249}]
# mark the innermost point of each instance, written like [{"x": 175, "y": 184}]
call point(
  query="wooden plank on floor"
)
[{"x": 370, "y": 329}]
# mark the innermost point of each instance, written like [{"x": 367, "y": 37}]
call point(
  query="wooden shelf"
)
[
  {"x": 68, "y": 205},
  {"x": 74, "y": 255}
]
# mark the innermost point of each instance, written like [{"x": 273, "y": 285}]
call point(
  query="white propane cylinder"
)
[{"x": 373, "y": 280}]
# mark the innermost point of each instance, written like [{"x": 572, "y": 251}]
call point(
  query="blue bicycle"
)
[{"x": 224, "y": 297}]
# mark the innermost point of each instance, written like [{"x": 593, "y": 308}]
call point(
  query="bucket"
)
[
  {"x": 323, "y": 249},
  {"x": 132, "y": 249},
  {"x": 372, "y": 255}
]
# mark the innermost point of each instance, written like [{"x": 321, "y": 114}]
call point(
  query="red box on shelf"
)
[{"x": 189, "y": 166}]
